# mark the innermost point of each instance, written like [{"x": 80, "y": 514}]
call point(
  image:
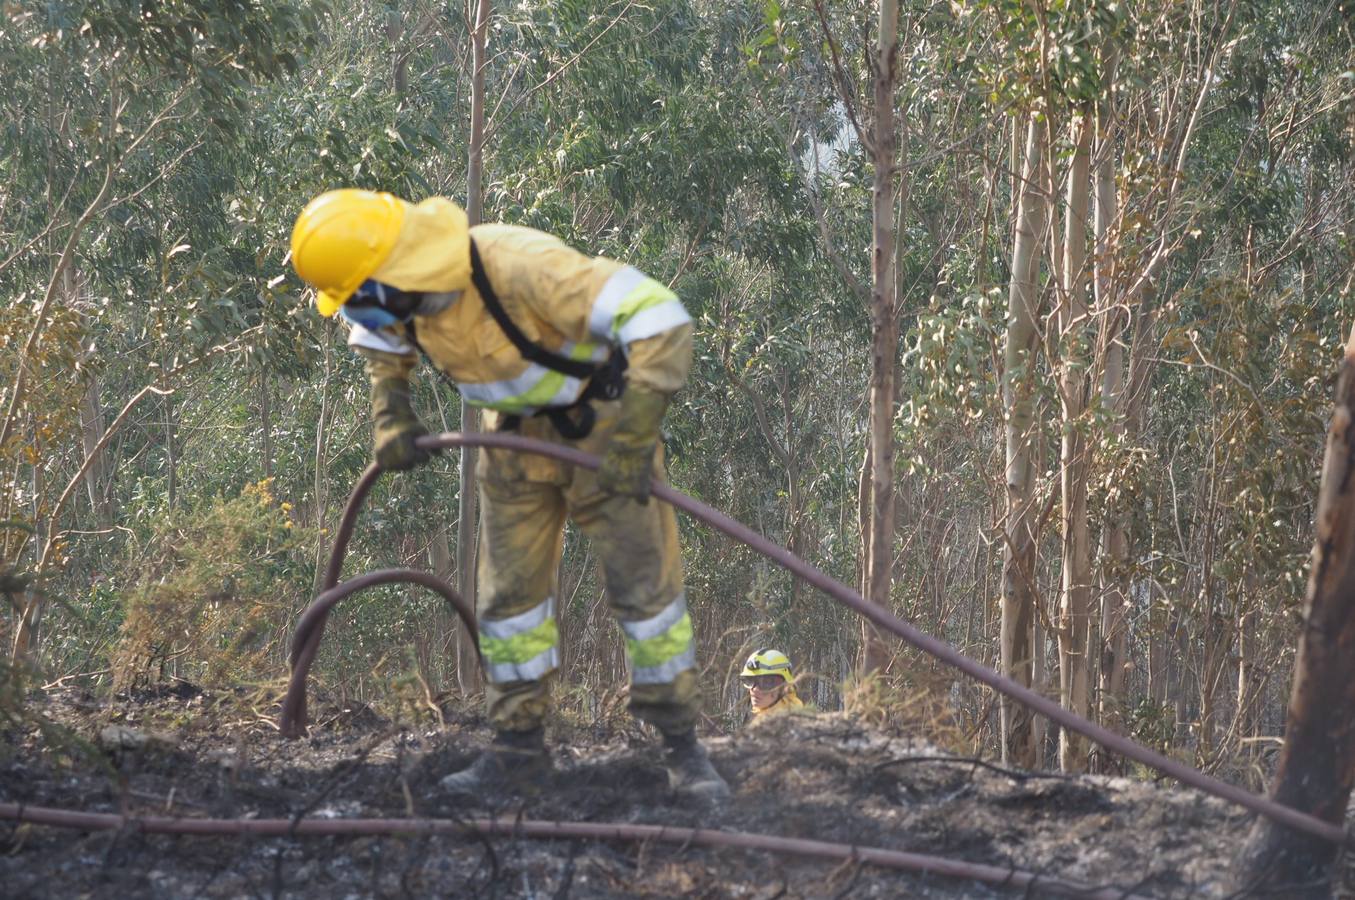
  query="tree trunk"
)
[
  {"x": 1141, "y": 362},
  {"x": 1178, "y": 671},
  {"x": 266, "y": 423},
  {"x": 1115, "y": 536},
  {"x": 171, "y": 455},
  {"x": 795, "y": 514},
  {"x": 1074, "y": 606},
  {"x": 879, "y": 562},
  {"x": 1159, "y": 640},
  {"x": 1018, "y": 555},
  {"x": 25, "y": 631},
  {"x": 1219, "y": 645},
  {"x": 92, "y": 427},
  {"x": 321, "y": 464},
  {"x": 1317, "y": 764},
  {"x": 395, "y": 30},
  {"x": 465, "y": 528},
  {"x": 1244, "y": 719},
  {"x": 449, "y": 634},
  {"x": 1039, "y": 674}
]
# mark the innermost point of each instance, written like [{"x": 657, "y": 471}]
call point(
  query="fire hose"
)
[
  {"x": 309, "y": 630},
  {"x": 510, "y": 826}
]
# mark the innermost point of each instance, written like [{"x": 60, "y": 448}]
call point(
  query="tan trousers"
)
[{"x": 525, "y": 500}]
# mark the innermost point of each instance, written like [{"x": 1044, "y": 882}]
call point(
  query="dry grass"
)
[{"x": 913, "y": 704}]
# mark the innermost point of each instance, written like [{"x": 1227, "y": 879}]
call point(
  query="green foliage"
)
[
  {"x": 1056, "y": 51},
  {"x": 949, "y": 374},
  {"x": 1153, "y": 724},
  {"x": 213, "y": 47},
  {"x": 713, "y": 146},
  {"x": 214, "y": 585},
  {"x": 775, "y": 42}
]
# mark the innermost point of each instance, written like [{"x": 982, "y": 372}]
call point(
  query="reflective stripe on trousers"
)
[
  {"x": 660, "y": 647},
  {"x": 522, "y": 647}
]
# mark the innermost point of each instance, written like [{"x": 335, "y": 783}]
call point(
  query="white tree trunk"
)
[
  {"x": 1018, "y": 557},
  {"x": 465, "y": 529},
  {"x": 879, "y": 562},
  {"x": 1074, "y": 612},
  {"x": 92, "y": 427},
  {"x": 1115, "y": 537}
]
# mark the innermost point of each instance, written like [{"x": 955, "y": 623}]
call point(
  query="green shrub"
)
[{"x": 219, "y": 592}]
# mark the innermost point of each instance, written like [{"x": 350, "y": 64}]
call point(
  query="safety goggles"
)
[
  {"x": 762, "y": 682},
  {"x": 375, "y": 305}
]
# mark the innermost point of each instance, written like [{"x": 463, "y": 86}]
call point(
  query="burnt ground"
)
[{"x": 827, "y": 777}]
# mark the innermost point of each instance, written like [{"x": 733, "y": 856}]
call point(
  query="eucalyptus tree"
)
[
  {"x": 106, "y": 111},
  {"x": 1253, "y": 313},
  {"x": 465, "y": 554},
  {"x": 882, "y": 177},
  {"x": 1019, "y": 599},
  {"x": 1075, "y": 72},
  {"x": 868, "y": 103}
]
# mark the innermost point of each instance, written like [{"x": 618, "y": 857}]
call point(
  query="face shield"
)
[{"x": 375, "y": 306}]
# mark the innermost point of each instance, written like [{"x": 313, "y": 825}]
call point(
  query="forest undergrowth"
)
[{"x": 849, "y": 777}]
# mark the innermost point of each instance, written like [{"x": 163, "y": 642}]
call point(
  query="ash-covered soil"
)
[{"x": 825, "y": 777}]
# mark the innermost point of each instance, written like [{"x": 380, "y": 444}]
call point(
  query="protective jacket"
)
[
  {"x": 577, "y": 306},
  {"x": 787, "y": 701}
]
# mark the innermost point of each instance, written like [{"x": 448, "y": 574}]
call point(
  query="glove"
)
[
  {"x": 395, "y": 426},
  {"x": 629, "y": 457}
]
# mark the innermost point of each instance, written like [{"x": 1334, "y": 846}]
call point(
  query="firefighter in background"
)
[
  {"x": 770, "y": 683},
  {"x": 553, "y": 345}
]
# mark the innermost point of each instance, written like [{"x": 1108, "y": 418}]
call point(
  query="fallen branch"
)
[{"x": 976, "y": 763}]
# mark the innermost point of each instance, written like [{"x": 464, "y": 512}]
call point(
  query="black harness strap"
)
[
  {"x": 606, "y": 381},
  {"x": 534, "y": 352}
]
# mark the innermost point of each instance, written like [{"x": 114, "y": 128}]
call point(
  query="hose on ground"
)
[{"x": 1030, "y": 882}]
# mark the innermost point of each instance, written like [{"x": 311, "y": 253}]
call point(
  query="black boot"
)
[
  {"x": 516, "y": 759},
  {"x": 690, "y": 773}
]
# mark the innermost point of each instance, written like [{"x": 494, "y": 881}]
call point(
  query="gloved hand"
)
[
  {"x": 629, "y": 457},
  {"x": 395, "y": 426}
]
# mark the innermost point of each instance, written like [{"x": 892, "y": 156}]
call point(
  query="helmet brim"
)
[
  {"x": 783, "y": 674},
  {"x": 327, "y": 303}
]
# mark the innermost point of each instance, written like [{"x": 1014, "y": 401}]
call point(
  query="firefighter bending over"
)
[{"x": 553, "y": 345}]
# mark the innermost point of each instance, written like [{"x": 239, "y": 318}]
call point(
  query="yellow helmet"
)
[
  {"x": 768, "y": 662},
  {"x": 341, "y": 238}
]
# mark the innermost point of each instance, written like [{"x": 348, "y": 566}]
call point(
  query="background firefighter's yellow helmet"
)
[
  {"x": 340, "y": 239},
  {"x": 346, "y": 236},
  {"x": 768, "y": 662}
]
